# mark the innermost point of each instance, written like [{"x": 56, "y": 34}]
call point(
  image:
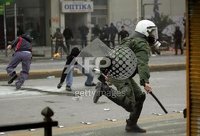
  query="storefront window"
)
[
  {"x": 100, "y": 14},
  {"x": 31, "y": 20},
  {"x": 100, "y": 2}
]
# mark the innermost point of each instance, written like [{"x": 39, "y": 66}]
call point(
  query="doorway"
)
[{"x": 74, "y": 21}]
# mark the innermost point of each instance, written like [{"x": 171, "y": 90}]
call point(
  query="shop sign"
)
[{"x": 77, "y": 6}]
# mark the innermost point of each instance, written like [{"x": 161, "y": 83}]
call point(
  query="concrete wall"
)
[
  {"x": 121, "y": 9},
  {"x": 167, "y": 7},
  {"x": 126, "y": 12},
  {"x": 123, "y": 13},
  {"x": 55, "y": 15}
]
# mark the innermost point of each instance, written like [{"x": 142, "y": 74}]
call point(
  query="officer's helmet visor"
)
[{"x": 153, "y": 32}]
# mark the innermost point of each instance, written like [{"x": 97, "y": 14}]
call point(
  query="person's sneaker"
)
[
  {"x": 133, "y": 127},
  {"x": 18, "y": 85},
  {"x": 12, "y": 78},
  {"x": 59, "y": 85},
  {"x": 93, "y": 84},
  {"x": 98, "y": 92},
  {"x": 68, "y": 88}
]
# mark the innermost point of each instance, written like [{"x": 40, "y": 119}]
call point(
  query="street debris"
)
[
  {"x": 106, "y": 109},
  {"x": 51, "y": 77},
  {"x": 158, "y": 114},
  {"x": 60, "y": 126},
  {"x": 86, "y": 123},
  {"x": 32, "y": 129},
  {"x": 77, "y": 98},
  {"x": 113, "y": 120},
  {"x": 176, "y": 111}
]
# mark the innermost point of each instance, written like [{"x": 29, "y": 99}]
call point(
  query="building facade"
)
[{"x": 40, "y": 18}]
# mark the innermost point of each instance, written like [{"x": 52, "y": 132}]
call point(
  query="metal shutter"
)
[{"x": 193, "y": 67}]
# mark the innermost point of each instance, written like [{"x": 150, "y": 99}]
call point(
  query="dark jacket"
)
[
  {"x": 139, "y": 45},
  {"x": 178, "y": 36},
  {"x": 74, "y": 53},
  {"x": 104, "y": 35},
  {"x": 96, "y": 31},
  {"x": 113, "y": 31},
  {"x": 67, "y": 33},
  {"x": 22, "y": 43},
  {"x": 122, "y": 34},
  {"x": 59, "y": 38},
  {"x": 84, "y": 30}
]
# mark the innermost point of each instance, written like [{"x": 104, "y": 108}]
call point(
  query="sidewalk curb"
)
[
  {"x": 35, "y": 74},
  {"x": 80, "y": 128},
  {"x": 167, "y": 67}
]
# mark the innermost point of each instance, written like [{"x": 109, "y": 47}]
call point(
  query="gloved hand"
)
[
  {"x": 59, "y": 85},
  {"x": 147, "y": 87}
]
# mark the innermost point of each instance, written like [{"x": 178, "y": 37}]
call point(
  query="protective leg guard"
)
[
  {"x": 138, "y": 107},
  {"x": 121, "y": 100},
  {"x": 131, "y": 125},
  {"x": 116, "y": 96}
]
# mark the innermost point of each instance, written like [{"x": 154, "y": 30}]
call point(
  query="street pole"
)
[
  {"x": 5, "y": 32},
  {"x": 15, "y": 18},
  {"x": 138, "y": 13},
  {"x": 142, "y": 10}
]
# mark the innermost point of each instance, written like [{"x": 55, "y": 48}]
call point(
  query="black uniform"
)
[
  {"x": 122, "y": 34},
  {"x": 67, "y": 33}
]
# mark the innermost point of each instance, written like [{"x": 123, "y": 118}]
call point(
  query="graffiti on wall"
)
[
  {"x": 55, "y": 21},
  {"x": 128, "y": 23},
  {"x": 170, "y": 29}
]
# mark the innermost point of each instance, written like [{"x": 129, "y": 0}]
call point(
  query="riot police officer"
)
[{"x": 129, "y": 94}]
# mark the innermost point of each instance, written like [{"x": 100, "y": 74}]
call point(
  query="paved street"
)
[
  {"x": 46, "y": 63},
  {"x": 169, "y": 87},
  {"x": 48, "y": 30},
  {"x": 160, "y": 127},
  {"x": 71, "y": 110},
  {"x": 43, "y": 68}
]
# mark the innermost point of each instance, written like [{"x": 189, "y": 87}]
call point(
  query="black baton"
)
[{"x": 159, "y": 102}]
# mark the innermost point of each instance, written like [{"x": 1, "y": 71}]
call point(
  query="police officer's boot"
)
[
  {"x": 116, "y": 96},
  {"x": 131, "y": 125}
]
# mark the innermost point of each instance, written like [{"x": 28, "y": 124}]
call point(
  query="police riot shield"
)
[{"x": 121, "y": 60}]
